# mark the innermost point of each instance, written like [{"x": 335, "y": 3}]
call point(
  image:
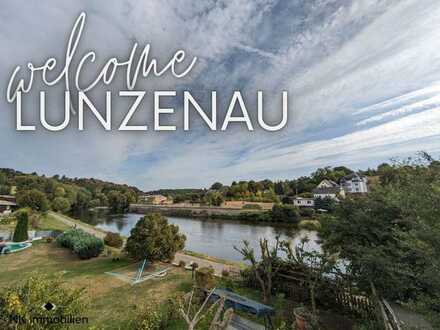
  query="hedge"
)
[{"x": 83, "y": 244}]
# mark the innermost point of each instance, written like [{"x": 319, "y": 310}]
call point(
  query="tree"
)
[
  {"x": 217, "y": 186},
  {"x": 213, "y": 198},
  {"x": 267, "y": 268},
  {"x": 314, "y": 264},
  {"x": 21, "y": 228},
  {"x": 118, "y": 202},
  {"x": 34, "y": 199},
  {"x": 154, "y": 239},
  {"x": 327, "y": 203},
  {"x": 61, "y": 204},
  {"x": 393, "y": 231},
  {"x": 285, "y": 213}
]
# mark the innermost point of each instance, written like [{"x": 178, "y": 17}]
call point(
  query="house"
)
[
  {"x": 6, "y": 207},
  {"x": 327, "y": 184},
  {"x": 154, "y": 199},
  {"x": 355, "y": 183},
  {"x": 303, "y": 202},
  {"x": 8, "y": 198},
  {"x": 328, "y": 189}
]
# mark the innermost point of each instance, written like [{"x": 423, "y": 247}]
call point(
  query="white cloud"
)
[{"x": 348, "y": 65}]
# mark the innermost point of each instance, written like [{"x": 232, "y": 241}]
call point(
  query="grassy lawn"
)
[
  {"x": 49, "y": 222},
  {"x": 113, "y": 302}
]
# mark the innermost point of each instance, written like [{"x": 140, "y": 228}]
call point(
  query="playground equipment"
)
[{"x": 139, "y": 272}]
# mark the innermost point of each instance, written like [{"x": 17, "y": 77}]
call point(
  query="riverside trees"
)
[{"x": 390, "y": 236}]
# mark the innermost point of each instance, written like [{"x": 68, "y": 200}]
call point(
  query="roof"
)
[
  {"x": 325, "y": 191},
  {"x": 353, "y": 176},
  {"x": 328, "y": 182},
  {"x": 303, "y": 198},
  {"x": 6, "y": 203}
]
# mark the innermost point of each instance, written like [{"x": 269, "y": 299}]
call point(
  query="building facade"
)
[{"x": 355, "y": 184}]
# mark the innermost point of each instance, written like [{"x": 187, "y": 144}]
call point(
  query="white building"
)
[
  {"x": 328, "y": 189},
  {"x": 355, "y": 183},
  {"x": 303, "y": 202}
]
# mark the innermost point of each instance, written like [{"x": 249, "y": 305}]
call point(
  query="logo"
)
[{"x": 49, "y": 306}]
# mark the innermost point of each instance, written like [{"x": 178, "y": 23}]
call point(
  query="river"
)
[{"x": 216, "y": 238}]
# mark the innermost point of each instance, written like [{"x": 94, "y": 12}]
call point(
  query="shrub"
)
[
  {"x": 252, "y": 207},
  {"x": 310, "y": 225},
  {"x": 182, "y": 263},
  {"x": 225, "y": 273},
  {"x": 114, "y": 240},
  {"x": 24, "y": 301},
  {"x": 83, "y": 244},
  {"x": 155, "y": 316},
  {"x": 21, "y": 229},
  {"x": 285, "y": 213},
  {"x": 306, "y": 212},
  {"x": 205, "y": 277}
]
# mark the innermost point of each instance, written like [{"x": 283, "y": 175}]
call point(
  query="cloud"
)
[{"x": 362, "y": 78}]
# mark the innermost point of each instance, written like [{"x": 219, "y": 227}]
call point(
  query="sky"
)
[{"x": 363, "y": 78}]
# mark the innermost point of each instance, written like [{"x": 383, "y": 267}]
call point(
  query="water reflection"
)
[{"x": 212, "y": 237}]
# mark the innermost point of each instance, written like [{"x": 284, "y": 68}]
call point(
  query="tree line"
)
[{"x": 64, "y": 194}]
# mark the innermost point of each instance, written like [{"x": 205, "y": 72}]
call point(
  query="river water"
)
[{"x": 216, "y": 238}]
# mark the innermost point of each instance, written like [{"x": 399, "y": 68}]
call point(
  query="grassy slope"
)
[{"x": 113, "y": 302}]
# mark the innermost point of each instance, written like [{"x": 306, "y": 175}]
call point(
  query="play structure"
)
[{"x": 139, "y": 272}]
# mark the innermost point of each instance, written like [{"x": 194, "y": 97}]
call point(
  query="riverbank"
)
[
  {"x": 188, "y": 257},
  {"x": 193, "y": 211}
]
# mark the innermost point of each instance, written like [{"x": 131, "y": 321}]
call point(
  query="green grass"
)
[
  {"x": 113, "y": 302},
  {"x": 49, "y": 222}
]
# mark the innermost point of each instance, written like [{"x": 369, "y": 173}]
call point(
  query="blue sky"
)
[{"x": 363, "y": 79}]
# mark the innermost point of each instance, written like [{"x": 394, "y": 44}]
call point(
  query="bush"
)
[
  {"x": 83, "y": 244},
  {"x": 306, "y": 212},
  {"x": 24, "y": 301},
  {"x": 21, "y": 229},
  {"x": 155, "y": 316},
  {"x": 310, "y": 225},
  {"x": 114, "y": 240},
  {"x": 252, "y": 207},
  {"x": 182, "y": 263},
  {"x": 225, "y": 273},
  {"x": 205, "y": 277},
  {"x": 285, "y": 213}
]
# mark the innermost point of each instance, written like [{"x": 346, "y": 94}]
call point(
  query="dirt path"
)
[{"x": 77, "y": 224}]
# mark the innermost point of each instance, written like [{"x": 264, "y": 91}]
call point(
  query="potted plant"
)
[{"x": 302, "y": 317}]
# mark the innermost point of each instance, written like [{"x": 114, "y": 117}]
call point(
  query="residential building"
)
[
  {"x": 6, "y": 207},
  {"x": 355, "y": 183},
  {"x": 328, "y": 189},
  {"x": 154, "y": 199},
  {"x": 303, "y": 202}
]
